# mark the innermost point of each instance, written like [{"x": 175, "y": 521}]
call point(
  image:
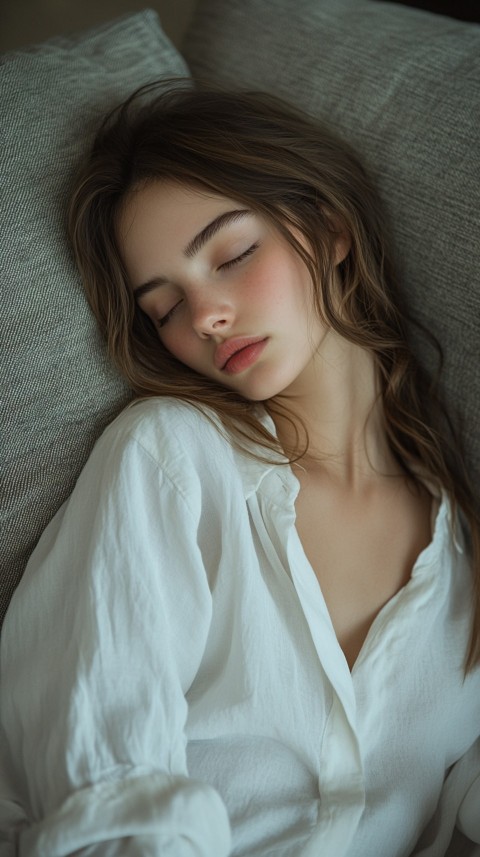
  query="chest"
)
[{"x": 362, "y": 551}]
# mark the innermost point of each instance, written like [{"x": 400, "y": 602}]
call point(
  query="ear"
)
[
  {"x": 343, "y": 241},
  {"x": 342, "y": 245}
]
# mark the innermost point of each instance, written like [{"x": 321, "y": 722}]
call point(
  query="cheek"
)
[
  {"x": 291, "y": 289},
  {"x": 183, "y": 344},
  {"x": 276, "y": 283},
  {"x": 173, "y": 340}
]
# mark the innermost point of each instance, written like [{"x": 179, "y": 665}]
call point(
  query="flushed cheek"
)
[
  {"x": 283, "y": 282},
  {"x": 266, "y": 285}
]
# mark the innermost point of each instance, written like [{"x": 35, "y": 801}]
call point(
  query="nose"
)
[{"x": 211, "y": 315}]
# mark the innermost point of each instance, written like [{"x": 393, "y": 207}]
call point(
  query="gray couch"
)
[{"x": 402, "y": 85}]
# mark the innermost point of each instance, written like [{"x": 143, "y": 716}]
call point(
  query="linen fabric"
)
[
  {"x": 58, "y": 389},
  {"x": 403, "y": 87},
  {"x": 169, "y": 672}
]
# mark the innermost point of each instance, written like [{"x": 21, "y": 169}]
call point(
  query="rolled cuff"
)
[{"x": 175, "y": 815}]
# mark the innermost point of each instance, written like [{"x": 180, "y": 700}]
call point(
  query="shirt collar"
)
[
  {"x": 253, "y": 470},
  {"x": 273, "y": 476}
]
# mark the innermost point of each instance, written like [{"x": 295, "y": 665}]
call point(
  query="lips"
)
[{"x": 227, "y": 349}]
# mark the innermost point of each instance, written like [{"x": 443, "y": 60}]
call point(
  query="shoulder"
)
[
  {"x": 186, "y": 443},
  {"x": 145, "y": 418},
  {"x": 165, "y": 426}
]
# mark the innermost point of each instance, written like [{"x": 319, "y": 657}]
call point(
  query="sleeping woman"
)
[{"x": 254, "y": 627}]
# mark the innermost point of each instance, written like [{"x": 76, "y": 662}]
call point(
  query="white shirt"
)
[{"x": 172, "y": 684}]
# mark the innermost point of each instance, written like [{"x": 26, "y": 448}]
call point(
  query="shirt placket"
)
[
  {"x": 341, "y": 779},
  {"x": 340, "y": 770}
]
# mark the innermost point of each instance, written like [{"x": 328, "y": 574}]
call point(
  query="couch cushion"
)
[
  {"x": 403, "y": 86},
  {"x": 58, "y": 388}
]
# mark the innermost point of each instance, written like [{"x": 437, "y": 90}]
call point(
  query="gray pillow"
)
[
  {"x": 403, "y": 86},
  {"x": 57, "y": 386}
]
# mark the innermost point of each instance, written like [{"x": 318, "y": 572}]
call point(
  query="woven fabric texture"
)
[
  {"x": 402, "y": 86},
  {"x": 58, "y": 389}
]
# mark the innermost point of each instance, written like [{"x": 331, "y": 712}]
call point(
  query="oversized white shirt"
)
[{"x": 171, "y": 682}]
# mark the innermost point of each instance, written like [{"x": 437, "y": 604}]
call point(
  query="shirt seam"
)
[{"x": 162, "y": 467}]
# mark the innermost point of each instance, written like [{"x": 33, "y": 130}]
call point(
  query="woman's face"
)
[{"x": 228, "y": 295}]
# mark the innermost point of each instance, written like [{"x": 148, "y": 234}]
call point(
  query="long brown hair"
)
[{"x": 297, "y": 174}]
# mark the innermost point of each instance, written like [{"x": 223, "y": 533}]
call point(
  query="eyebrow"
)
[{"x": 195, "y": 245}]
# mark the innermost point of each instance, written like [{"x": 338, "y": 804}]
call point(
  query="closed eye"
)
[
  {"x": 226, "y": 265},
  {"x": 240, "y": 258},
  {"x": 163, "y": 321}
]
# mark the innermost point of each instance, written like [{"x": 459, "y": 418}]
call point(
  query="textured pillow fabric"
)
[
  {"x": 58, "y": 389},
  {"x": 403, "y": 86}
]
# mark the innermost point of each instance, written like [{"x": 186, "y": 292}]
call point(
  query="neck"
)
[{"x": 337, "y": 401}]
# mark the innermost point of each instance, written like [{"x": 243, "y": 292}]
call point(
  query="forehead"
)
[
  {"x": 169, "y": 209},
  {"x": 159, "y": 221}
]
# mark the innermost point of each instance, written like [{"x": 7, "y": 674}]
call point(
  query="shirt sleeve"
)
[{"x": 102, "y": 640}]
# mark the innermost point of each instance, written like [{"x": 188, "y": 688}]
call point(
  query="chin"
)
[
  {"x": 264, "y": 382},
  {"x": 261, "y": 392}
]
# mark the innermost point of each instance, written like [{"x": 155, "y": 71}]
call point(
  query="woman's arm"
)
[{"x": 99, "y": 647}]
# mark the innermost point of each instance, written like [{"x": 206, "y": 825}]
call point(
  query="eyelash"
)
[
  {"x": 240, "y": 258},
  {"x": 162, "y": 321},
  {"x": 226, "y": 265}
]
